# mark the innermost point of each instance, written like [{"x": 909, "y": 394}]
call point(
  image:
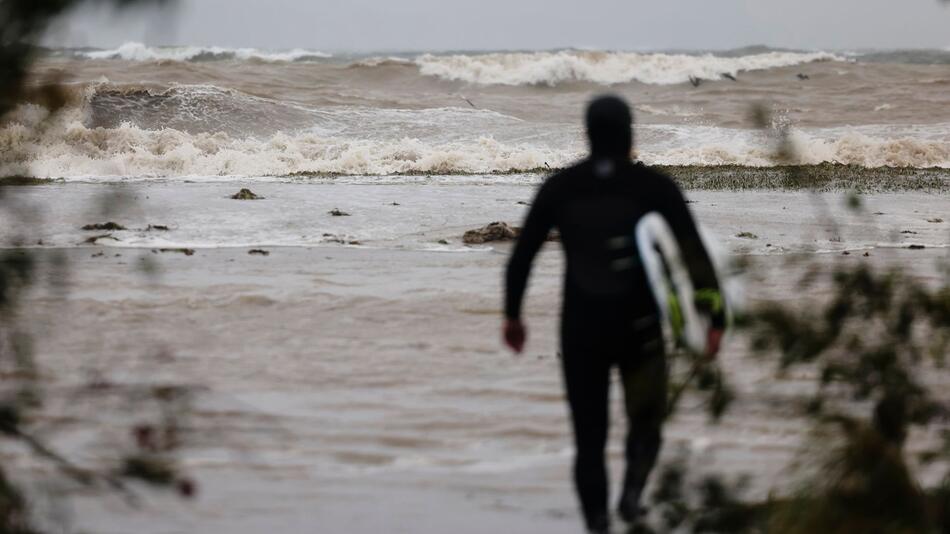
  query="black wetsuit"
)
[{"x": 609, "y": 315}]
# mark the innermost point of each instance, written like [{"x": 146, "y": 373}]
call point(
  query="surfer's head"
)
[{"x": 609, "y": 123}]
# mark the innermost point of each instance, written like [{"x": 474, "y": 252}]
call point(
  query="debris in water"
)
[
  {"x": 246, "y": 194},
  {"x": 185, "y": 251},
  {"x": 94, "y": 239},
  {"x": 496, "y": 231},
  {"x": 104, "y": 226}
]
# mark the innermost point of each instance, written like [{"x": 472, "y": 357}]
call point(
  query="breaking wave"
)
[
  {"x": 201, "y": 130},
  {"x": 812, "y": 149},
  {"x": 508, "y": 68},
  {"x": 607, "y": 68},
  {"x": 76, "y": 151},
  {"x": 134, "y": 139},
  {"x": 139, "y": 52}
]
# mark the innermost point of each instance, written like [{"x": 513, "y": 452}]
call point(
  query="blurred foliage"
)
[
  {"x": 871, "y": 345},
  {"x": 874, "y": 340},
  {"x": 704, "y": 378},
  {"x": 22, "y": 25}
]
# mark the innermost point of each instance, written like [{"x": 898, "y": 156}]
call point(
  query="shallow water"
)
[
  {"x": 416, "y": 214},
  {"x": 363, "y": 387}
]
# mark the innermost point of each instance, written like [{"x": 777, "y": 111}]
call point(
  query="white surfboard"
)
[{"x": 683, "y": 324}]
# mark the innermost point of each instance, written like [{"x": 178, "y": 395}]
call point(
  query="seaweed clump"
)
[
  {"x": 496, "y": 231},
  {"x": 109, "y": 226},
  {"x": 246, "y": 194}
]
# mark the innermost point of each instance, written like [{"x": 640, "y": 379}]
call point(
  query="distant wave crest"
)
[
  {"x": 607, "y": 68},
  {"x": 133, "y": 51}
]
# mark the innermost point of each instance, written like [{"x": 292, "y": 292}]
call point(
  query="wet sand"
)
[{"x": 364, "y": 388}]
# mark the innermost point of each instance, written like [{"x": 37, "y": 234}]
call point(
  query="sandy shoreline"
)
[{"x": 363, "y": 388}]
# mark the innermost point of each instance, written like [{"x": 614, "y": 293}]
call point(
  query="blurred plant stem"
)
[
  {"x": 869, "y": 340},
  {"x": 22, "y": 399}
]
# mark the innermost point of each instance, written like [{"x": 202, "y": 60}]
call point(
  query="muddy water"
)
[{"x": 363, "y": 388}]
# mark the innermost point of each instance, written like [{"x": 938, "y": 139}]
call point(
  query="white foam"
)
[
  {"x": 133, "y": 51},
  {"x": 383, "y": 61},
  {"x": 673, "y": 111},
  {"x": 866, "y": 146},
  {"x": 361, "y": 141},
  {"x": 552, "y": 68},
  {"x": 852, "y": 149},
  {"x": 73, "y": 151}
]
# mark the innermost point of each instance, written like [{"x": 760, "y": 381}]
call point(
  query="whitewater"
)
[
  {"x": 345, "y": 360},
  {"x": 139, "y": 113}
]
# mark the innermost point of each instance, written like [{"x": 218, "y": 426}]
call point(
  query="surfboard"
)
[{"x": 684, "y": 325}]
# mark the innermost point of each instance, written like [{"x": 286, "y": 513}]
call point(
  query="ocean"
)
[
  {"x": 348, "y": 375},
  {"x": 140, "y": 113}
]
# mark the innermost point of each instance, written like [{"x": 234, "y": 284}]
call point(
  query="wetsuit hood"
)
[{"x": 609, "y": 122}]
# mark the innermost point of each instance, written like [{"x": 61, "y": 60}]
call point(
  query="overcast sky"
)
[{"x": 368, "y": 25}]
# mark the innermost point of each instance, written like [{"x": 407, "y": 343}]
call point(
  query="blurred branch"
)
[
  {"x": 78, "y": 474},
  {"x": 22, "y": 25}
]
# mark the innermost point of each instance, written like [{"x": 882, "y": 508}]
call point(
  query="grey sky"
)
[{"x": 361, "y": 25}]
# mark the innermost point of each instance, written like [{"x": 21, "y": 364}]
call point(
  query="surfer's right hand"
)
[
  {"x": 713, "y": 340},
  {"x": 515, "y": 334}
]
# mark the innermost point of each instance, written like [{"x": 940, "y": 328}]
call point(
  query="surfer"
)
[{"x": 609, "y": 316}]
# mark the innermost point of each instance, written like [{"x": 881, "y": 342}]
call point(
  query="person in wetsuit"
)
[{"x": 609, "y": 316}]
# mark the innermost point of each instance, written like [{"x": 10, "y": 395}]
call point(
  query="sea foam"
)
[
  {"x": 133, "y": 51},
  {"x": 184, "y": 131},
  {"x": 552, "y": 68},
  {"x": 68, "y": 149}
]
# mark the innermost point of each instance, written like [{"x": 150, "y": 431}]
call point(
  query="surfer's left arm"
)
[{"x": 701, "y": 270}]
